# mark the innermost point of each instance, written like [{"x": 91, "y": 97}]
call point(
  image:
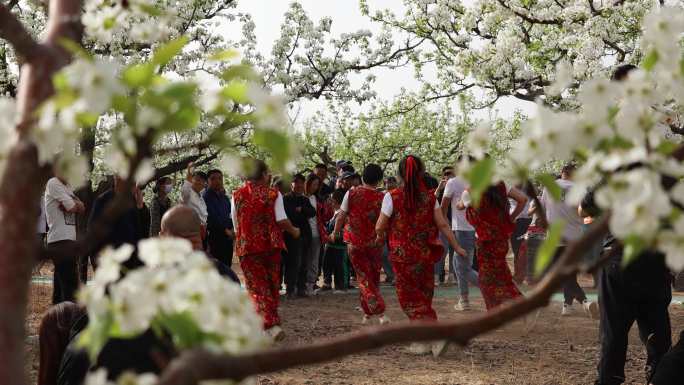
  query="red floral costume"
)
[
  {"x": 414, "y": 249},
  {"x": 365, "y": 255},
  {"x": 494, "y": 227},
  {"x": 258, "y": 243}
]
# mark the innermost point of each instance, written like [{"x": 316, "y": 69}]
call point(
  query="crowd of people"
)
[{"x": 309, "y": 234}]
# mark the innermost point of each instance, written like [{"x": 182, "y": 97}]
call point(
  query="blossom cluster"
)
[
  {"x": 138, "y": 21},
  {"x": 175, "y": 286},
  {"x": 623, "y": 141}
]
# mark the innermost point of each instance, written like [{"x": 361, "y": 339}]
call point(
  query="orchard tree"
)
[
  {"x": 513, "y": 47},
  {"x": 381, "y": 135}
]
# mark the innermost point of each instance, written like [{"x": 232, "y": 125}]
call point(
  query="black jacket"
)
[{"x": 299, "y": 209}]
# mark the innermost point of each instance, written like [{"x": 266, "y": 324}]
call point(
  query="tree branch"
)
[
  {"x": 11, "y": 29},
  {"x": 198, "y": 365}
]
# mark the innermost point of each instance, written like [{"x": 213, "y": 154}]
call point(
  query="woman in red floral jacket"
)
[
  {"x": 494, "y": 226},
  {"x": 414, "y": 219},
  {"x": 360, "y": 210},
  {"x": 259, "y": 219}
]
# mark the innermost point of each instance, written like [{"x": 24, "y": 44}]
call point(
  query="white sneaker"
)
[
  {"x": 462, "y": 305},
  {"x": 439, "y": 348},
  {"x": 276, "y": 333},
  {"x": 437, "y": 283},
  {"x": 366, "y": 319},
  {"x": 420, "y": 349},
  {"x": 384, "y": 320},
  {"x": 567, "y": 310},
  {"x": 592, "y": 309}
]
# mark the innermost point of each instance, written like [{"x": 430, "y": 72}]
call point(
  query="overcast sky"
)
[{"x": 268, "y": 15}]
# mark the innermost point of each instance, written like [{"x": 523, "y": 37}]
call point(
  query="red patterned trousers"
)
[
  {"x": 367, "y": 262},
  {"x": 415, "y": 287},
  {"x": 496, "y": 281},
  {"x": 262, "y": 278}
]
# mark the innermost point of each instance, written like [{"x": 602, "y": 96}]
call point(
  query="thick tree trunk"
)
[{"x": 23, "y": 180}]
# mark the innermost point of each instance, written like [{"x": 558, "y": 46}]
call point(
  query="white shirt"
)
[
  {"x": 454, "y": 189},
  {"x": 41, "y": 227},
  {"x": 313, "y": 221},
  {"x": 559, "y": 210},
  {"x": 345, "y": 203},
  {"x": 61, "y": 225},
  {"x": 279, "y": 210},
  {"x": 523, "y": 213},
  {"x": 193, "y": 199},
  {"x": 388, "y": 207}
]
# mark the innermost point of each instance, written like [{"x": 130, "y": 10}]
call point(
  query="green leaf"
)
[
  {"x": 480, "y": 177},
  {"x": 236, "y": 91},
  {"x": 86, "y": 119},
  {"x": 650, "y": 60},
  {"x": 184, "y": 330},
  {"x": 224, "y": 55},
  {"x": 149, "y": 9},
  {"x": 551, "y": 186},
  {"x": 75, "y": 49},
  {"x": 165, "y": 53},
  {"x": 633, "y": 246},
  {"x": 667, "y": 147},
  {"x": 548, "y": 248},
  {"x": 139, "y": 75},
  {"x": 95, "y": 336},
  {"x": 240, "y": 71},
  {"x": 277, "y": 143}
]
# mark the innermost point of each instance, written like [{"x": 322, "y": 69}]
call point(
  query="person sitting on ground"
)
[{"x": 53, "y": 339}]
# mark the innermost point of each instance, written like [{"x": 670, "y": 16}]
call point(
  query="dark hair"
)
[
  {"x": 445, "y": 168},
  {"x": 372, "y": 174},
  {"x": 338, "y": 195},
  {"x": 348, "y": 168},
  {"x": 568, "y": 168},
  {"x": 53, "y": 338},
  {"x": 493, "y": 195},
  {"x": 620, "y": 73},
  {"x": 391, "y": 179},
  {"x": 257, "y": 170},
  {"x": 310, "y": 179},
  {"x": 159, "y": 183},
  {"x": 213, "y": 171},
  {"x": 298, "y": 178},
  {"x": 200, "y": 174},
  {"x": 411, "y": 170},
  {"x": 321, "y": 165},
  {"x": 430, "y": 181}
]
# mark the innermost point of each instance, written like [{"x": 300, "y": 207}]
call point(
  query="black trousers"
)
[
  {"x": 221, "y": 248},
  {"x": 65, "y": 278},
  {"x": 333, "y": 267},
  {"x": 571, "y": 289},
  {"x": 670, "y": 370},
  {"x": 292, "y": 264},
  {"x": 521, "y": 225},
  {"x": 625, "y": 298}
]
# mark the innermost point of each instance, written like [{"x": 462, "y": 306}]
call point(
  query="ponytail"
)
[{"x": 411, "y": 171}]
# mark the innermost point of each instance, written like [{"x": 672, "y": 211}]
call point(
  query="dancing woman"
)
[
  {"x": 413, "y": 219},
  {"x": 494, "y": 226}
]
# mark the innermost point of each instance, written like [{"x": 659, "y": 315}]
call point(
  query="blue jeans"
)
[
  {"x": 386, "y": 264},
  {"x": 439, "y": 266},
  {"x": 464, "y": 265}
]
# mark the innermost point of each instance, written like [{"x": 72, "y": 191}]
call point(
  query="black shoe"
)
[
  {"x": 291, "y": 296},
  {"x": 326, "y": 288},
  {"x": 302, "y": 294}
]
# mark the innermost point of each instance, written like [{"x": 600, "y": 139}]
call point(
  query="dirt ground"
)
[{"x": 558, "y": 351}]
